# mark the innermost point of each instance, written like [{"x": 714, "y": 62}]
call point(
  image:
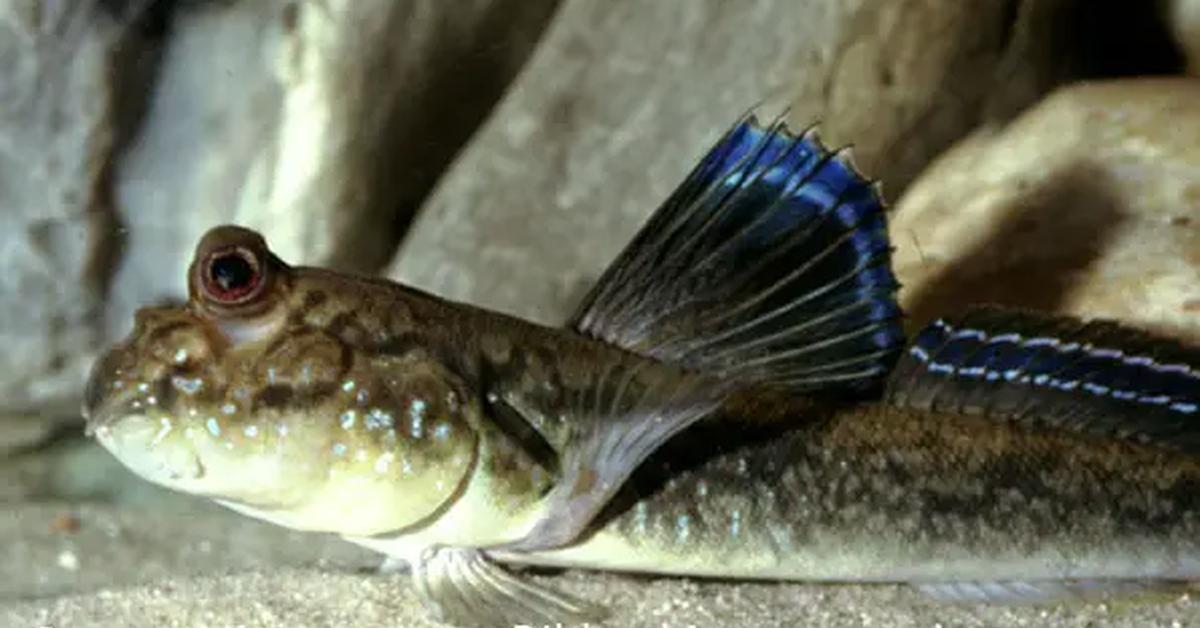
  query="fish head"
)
[{"x": 276, "y": 390}]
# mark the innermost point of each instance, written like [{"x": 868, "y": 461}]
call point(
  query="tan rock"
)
[
  {"x": 56, "y": 140},
  {"x": 1088, "y": 204},
  {"x": 320, "y": 123},
  {"x": 620, "y": 99},
  {"x": 1183, "y": 16}
]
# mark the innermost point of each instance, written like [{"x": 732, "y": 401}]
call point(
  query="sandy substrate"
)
[
  {"x": 121, "y": 567},
  {"x": 121, "y": 553}
]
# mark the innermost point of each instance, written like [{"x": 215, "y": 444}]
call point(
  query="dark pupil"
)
[{"x": 232, "y": 273}]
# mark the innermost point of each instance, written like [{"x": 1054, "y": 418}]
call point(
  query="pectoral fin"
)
[
  {"x": 462, "y": 586},
  {"x": 614, "y": 423}
]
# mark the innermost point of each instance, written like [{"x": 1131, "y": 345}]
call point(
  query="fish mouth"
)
[{"x": 139, "y": 442}]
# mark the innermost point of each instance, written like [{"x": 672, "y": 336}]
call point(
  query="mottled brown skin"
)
[
  {"x": 878, "y": 494},
  {"x": 317, "y": 344}
]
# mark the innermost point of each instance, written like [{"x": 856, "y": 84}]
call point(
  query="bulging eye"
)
[{"x": 232, "y": 276}]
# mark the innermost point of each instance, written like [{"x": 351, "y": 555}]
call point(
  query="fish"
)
[{"x": 736, "y": 397}]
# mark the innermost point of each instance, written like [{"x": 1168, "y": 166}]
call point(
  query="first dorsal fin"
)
[
  {"x": 1097, "y": 377},
  {"x": 769, "y": 264}
]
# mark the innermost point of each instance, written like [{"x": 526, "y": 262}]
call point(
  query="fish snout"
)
[{"x": 103, "y": 385}]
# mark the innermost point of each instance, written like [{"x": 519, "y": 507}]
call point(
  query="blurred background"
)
[{"x": 1043, "y": 153}]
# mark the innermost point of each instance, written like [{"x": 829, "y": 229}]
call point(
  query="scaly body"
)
[{"x": 872, "y": 493}]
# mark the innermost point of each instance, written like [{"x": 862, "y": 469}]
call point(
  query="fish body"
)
[
  {"x": 736, "y": 398},
  {"x": 879, "y": 494}
]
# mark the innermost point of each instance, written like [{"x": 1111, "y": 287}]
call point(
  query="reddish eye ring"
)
[{"x": 232, "y": 276}]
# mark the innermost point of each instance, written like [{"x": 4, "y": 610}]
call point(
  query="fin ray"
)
[
  {"x": 612, "y": 422},
  {"x": 1096, "y": 377},
  {"x": 747, "y": 258},
  {"x": 464, "y": 587}
]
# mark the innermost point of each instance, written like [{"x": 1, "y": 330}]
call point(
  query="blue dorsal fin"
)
[
  {"x": 1097, "y": 377},
  {"x": 770, "y": 263}
]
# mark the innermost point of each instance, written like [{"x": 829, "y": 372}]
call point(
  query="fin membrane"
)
[
  {"x": 1095, "y": 377},
  {"x": 461, "y": 586},
  {"x": 770, "y": 264},
  {"x": 616, "y": 422},
  {"x": 1031, "y": 591}
]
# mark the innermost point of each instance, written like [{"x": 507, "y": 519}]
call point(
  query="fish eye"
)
[{"x": 232, "y": 276}]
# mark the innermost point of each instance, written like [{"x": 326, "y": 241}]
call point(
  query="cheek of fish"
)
[{"x": 292, "y": 446}]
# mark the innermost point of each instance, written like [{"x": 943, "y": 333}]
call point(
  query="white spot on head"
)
[
  {"x": 152, "y": 400},
  {"x": 143, "y": 387},
  {"x": 213, "y": 426},
  {"x": 347, "y": 419},
  {"x": 228, "y": 408},
  {"x": 187, "y": 385},
  {"x": 701, "y": 488},
  {"x": 181, "y": 355},
  {"x": 378, "y": 418},
  {"x": 250, "y": 430},
  {"x": 362, "y": 397},
  {"x": 348, "y": 385},
  {"x": 416, "y": 415},
  {"x": 441, "y": 431}
]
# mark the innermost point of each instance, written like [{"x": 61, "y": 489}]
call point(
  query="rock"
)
[
  {"x": 1183, "y": 17},
  {"x": 321, "y": 124},
  {"x": 621, "y": 99},
  {"x": 1088, "y": 204},
  {"x": 56, "y": 144}
]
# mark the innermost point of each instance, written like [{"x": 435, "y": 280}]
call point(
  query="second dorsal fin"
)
[
  {"x": 770, "y": 264},
  {"x": 1097, "y": 377}
]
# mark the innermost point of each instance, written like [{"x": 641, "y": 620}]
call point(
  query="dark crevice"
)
[
  {"x": 1114, "y": 40},
  {"x": 134, "y": 61},
  {"x": 430, "y": 122}
]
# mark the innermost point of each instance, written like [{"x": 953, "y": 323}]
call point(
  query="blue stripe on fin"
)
[
  {"x": 1098, "y": 377},
  {"x": 771, "y": 264}
]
